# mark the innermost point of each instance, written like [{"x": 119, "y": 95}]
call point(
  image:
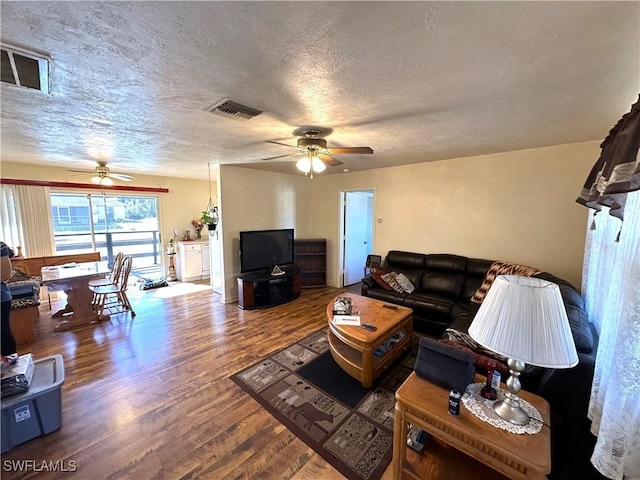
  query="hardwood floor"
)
[{"x": 150, "y": 398}]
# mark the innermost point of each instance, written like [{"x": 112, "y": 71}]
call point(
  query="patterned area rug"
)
[{"x": 349, "y": 426}]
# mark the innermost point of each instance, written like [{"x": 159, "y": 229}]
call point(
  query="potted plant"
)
[{"x": 209, "y": 218}]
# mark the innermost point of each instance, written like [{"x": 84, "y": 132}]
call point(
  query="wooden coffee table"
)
[
  {"x": 352, "y": 347},
  {"x": 424, "y": 404}
]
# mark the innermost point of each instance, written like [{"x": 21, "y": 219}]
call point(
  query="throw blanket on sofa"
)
[{"x": 501, "y": 268}]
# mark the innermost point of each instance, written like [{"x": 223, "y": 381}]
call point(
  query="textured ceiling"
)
[{"x": 415, "y": 81}]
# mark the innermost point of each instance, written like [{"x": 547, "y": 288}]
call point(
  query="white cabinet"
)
[{"x": 192, "y": 261}]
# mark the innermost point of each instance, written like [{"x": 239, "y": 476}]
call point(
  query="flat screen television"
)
[{"x": 264, "y": 249}]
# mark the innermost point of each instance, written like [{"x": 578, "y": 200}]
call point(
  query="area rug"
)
[{"x": 351, "y": 427}]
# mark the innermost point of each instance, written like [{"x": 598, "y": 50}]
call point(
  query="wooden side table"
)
[
  {"x": 425, "y": 405},
  {"x": 370, "y": 270}
]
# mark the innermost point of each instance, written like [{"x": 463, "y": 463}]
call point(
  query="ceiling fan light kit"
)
[
  {"x": 102, "y": 180},
  {"x": 304, "y": 165},
  {"x": 102, "y": 174},
  {"x": 315, "y": 150}
]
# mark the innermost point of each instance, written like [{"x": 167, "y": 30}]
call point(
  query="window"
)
[{"x": 108, "y": 224}]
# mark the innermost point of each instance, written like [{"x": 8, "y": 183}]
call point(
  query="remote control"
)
[
  {"x": 369, "y": 327},
  {"x": 392, "y": 307}
]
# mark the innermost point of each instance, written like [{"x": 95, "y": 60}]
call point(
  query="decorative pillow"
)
[
  {"x": 24, "y": 302},
  {"x": 501, "y": 268},
  {"x": 465, "y": 340},
  {"x": 405, "y": 283},
  {"x": 390, "y": 278},
  {"x": 377, "y": 276},
  {"x": 479, "y": 361}
]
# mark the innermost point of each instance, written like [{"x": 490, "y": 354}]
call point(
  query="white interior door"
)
[{"x": 358, "y": 234}]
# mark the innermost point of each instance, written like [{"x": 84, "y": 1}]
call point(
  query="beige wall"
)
[
  {"x": 515, "y": 206},
  {"x": 185, "y": 201},
  {"x": 257, "y": 200}
]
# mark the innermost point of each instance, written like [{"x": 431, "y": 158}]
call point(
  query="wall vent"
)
[
  {"x": 230, "y": 109},
  {"x": 24, "y": 69}
]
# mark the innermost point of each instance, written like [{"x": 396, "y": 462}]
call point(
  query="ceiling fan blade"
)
[
  {"x": 329, "y": 160},
  {"x": 283, "y": 144},
  {"x": 80, "y": 171},
  {"x": 281, "y": 156},
  {"x": 352, "y": 150},
  {"x": 121, "y": 176}
]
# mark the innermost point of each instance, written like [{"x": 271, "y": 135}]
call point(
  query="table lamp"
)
[{"x": 524, "y": 319}]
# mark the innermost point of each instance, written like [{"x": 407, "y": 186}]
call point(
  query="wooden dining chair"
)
[
  {"x": 113, "y": 274},
  {"x": 109, "y": 299}
]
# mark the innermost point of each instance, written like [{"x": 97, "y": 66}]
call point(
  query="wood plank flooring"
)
[{"x": 150, "y": 398}]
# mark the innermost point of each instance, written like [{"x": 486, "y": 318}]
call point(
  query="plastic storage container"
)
[{"x": 37, "y": 411}]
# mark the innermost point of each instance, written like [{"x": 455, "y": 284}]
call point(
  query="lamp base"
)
[
  {"x": 509, "y": 409},
  {"x": 506, "y": 410}
]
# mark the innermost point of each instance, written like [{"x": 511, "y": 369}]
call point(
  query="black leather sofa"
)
[{"x": 445, "y": 284}]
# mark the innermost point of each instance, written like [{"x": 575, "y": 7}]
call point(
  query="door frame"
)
[{"x": 340, "y": 271}]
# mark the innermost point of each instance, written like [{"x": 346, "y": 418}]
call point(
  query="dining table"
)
[{"x": 73, "y": 278}]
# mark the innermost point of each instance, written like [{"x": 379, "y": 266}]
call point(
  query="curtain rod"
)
[{"x": 46, "y": 183}]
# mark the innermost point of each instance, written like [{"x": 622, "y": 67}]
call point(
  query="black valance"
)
[{"x": 617, "y": 171}]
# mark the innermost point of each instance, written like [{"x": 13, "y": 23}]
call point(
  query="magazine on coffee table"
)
[{"x": 346, "y": 319}]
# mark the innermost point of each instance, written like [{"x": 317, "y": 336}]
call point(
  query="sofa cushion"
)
[
  {"x": 445, "y": 262},
  {"x": 404, "y": 260},
  {"x": 390, "y": 296},
  {"x": 377, "y": 276},
  {"x": 449, "y": 284},
  {"x": 23, "y": 289},
  {"x": 390, "y": 279},
  {"x": 432, "y": 306},
  {"x": 464, "y": 307},
  {"x": 25, "y": 302},
  {"x": 476, "y": 270},
  {"x": 465, "y": 339},
  {"x": 405, "y": 283},
  {"x": 501, "y": 268},
  {"x": 479, "y": 361}
]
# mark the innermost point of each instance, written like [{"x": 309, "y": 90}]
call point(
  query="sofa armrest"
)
[{"x": 367, "y": 283}]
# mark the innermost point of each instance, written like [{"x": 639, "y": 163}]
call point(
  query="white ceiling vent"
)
[
  {"x": 24, "y": 69},
  {"x": 230, "y": 109}
]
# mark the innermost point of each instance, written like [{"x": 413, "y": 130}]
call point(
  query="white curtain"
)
[
  {"x": 35, "y": 211},
  {"x": 611, "y": 287},
  {"x": 11, "y": 231}
]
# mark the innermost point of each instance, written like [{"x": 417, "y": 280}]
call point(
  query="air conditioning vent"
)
[
  {"x": 230, "y": 109},
  {"x": 24, "y": 69}
]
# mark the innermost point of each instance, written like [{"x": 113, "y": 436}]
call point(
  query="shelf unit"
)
[
  {"x": 310, "y": 254},
  {"x": 352, "y": 360}
]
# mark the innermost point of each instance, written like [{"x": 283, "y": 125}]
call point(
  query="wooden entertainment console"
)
[{"x": 260, "y": 289}]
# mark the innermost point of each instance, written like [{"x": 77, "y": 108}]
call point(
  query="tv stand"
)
[{"x": 263, "y": 289}]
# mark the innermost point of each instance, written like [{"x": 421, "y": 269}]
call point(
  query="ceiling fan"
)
[
  {"x": 102, "y": 174},
  {"x": 316, "y": 153}
]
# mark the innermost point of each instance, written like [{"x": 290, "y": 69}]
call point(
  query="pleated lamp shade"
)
[{"x": 524, "y": 318}]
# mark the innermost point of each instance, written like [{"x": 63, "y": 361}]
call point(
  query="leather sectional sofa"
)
[{"x": 445, "y": 284}]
